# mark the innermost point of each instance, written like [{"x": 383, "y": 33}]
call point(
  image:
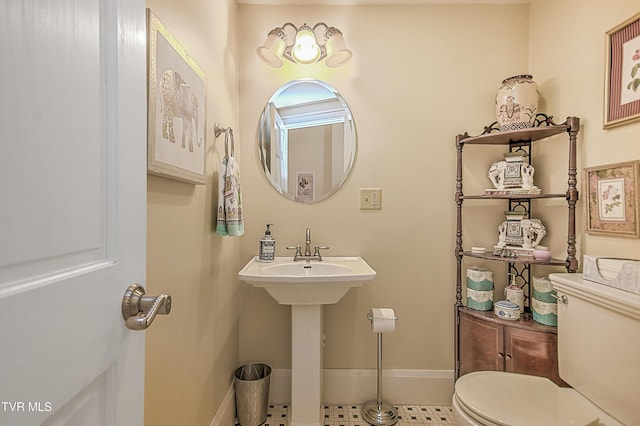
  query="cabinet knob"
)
[
  {"x": 508, "y": 357},
  {"x": 500, "y": 355}
]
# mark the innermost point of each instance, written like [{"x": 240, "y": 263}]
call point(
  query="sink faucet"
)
[
  {"x": 307, "y": 249},
  {"x": 307, "y": 244}
]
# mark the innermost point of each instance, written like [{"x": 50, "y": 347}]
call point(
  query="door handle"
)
[{"x": 139, "y": 311}]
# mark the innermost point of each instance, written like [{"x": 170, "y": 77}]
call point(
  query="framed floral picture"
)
[
  {"x": 612, "y": 199},
  {"x": 622, "y": 84},
  {"x": 305, "y": 186}
]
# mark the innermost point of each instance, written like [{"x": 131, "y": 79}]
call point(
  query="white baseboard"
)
[
  {"x": 356, "y": 386},
  {"x": 226, "y": 414},
  {"x": 280, "y": 386}
]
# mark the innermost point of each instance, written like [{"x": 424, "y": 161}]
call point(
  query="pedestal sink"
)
[{"x": 306, "y": 285}]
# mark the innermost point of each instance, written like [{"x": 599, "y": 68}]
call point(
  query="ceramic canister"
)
[
  {"x": 543, "y": 289},
  {"x": 507, "y": 310},
  {"x": 479, "y": 300},
  {"x": 479, "y": 278},
  {"x": 541, "y": 253},
  {"x": 517, "y": 103},
  {"x": 516, "y": 295},
  {"x": 544, "y": 313}
]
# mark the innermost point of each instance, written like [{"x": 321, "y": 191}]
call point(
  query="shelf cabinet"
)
[
  {"x": 483, "y": 341},
  {"x": 489, "y": 343}
]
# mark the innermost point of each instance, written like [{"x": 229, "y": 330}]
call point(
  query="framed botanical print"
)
[
  {"x": 612, "y": 199},
  {"x": 622, "y": 84},
  {"x": 305, "y": 186}
]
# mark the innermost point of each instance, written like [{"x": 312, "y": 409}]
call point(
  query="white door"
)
[
  {"x": 279, "y": 149},
  {"x": 72, "y": 210}
]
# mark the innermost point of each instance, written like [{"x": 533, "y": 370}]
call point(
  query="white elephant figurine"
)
[
  {"x": 178, "y": 101},
  {"x": 532, "y": 233},
  {"x": 499, "y": 169}
]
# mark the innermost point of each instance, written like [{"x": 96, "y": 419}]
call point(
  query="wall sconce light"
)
[{"x": 304, "y": 47}]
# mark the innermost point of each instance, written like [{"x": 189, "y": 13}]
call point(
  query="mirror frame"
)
[{"x": 264, "y": 136}]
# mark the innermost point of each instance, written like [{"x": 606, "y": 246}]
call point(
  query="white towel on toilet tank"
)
[{"x": 383, "y": 320}]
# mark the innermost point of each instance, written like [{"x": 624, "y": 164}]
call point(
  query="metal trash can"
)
[{"x": 252, "y": 393}]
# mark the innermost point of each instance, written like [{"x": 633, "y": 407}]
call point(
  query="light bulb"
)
[{"x": 305, "y": 50}]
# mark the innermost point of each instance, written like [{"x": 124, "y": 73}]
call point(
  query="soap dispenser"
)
[
  {"x": 515, "y": 294},
  {"x": 267, "y": 246}
]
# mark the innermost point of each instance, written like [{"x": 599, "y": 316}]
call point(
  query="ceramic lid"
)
[
  {"x": 477, "y": 268},
  {"x": 507, "y": 304},
  {"x": 523, "y": 400}
]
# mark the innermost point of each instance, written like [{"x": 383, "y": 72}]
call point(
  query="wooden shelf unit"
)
[{"x": 543, "y": 128}]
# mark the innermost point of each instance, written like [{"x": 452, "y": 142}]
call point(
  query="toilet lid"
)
[{"x": 523, "y": 400}]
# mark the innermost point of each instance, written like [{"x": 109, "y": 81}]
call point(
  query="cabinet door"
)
[
  {"x": 532, "y": 352},
  {"x": 481, "y": 344}
]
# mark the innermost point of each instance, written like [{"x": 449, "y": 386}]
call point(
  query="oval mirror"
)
[{"x": 307, "y": 140}]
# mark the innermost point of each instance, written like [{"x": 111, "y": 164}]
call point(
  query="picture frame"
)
[
  {"x": 305, "y": 186},
  {"x": 612, "y": 199},
  {"x": 176, "y": 108},
  {"x": 622, "y": 83}
]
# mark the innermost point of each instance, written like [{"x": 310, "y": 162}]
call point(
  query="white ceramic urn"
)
[{"x": 517, "y": 103}]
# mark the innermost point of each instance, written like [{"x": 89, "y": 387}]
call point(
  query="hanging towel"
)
[{"x": 229, "y": 221}]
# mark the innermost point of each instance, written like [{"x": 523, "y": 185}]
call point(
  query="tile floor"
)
[{"x": 350, "y": 415}]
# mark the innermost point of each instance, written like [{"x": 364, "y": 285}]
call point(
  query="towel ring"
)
[
  {"x": 218, "y": 129},
  {"x": 229, "y": 135}
]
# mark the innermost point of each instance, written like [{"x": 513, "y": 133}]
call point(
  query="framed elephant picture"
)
[{"x": 176, "y": 109}]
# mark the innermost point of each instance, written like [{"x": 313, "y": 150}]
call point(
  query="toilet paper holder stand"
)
[
  {"x": 370, "y": 317},
  {"x": 378, "y": 411}
]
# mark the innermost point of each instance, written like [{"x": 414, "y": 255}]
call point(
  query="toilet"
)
[{"x": 598, "y": 353}]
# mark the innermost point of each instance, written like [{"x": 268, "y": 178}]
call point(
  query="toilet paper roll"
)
[{"x": 383, "y": 320}]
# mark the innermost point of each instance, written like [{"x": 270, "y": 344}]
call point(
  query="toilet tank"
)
[{"x": 599, "y": 344}]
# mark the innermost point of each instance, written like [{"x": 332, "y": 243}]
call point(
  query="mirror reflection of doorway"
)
[{"x": 307, "y": 128}]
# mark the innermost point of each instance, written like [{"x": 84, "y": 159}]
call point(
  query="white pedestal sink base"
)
[
  {"x": 306, "y": 365},
  {"x": 306, "y": 286}
]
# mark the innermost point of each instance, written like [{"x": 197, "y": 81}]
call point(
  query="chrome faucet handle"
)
[
  {"x": 298, "y": 250},
  {"x": 316, "y": 252}
]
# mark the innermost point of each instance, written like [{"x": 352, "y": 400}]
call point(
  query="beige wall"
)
[
  {"x": 567, "y": 59},
  {"x": 192, "y": 353},
  {"x": 419, "y": 76}
]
